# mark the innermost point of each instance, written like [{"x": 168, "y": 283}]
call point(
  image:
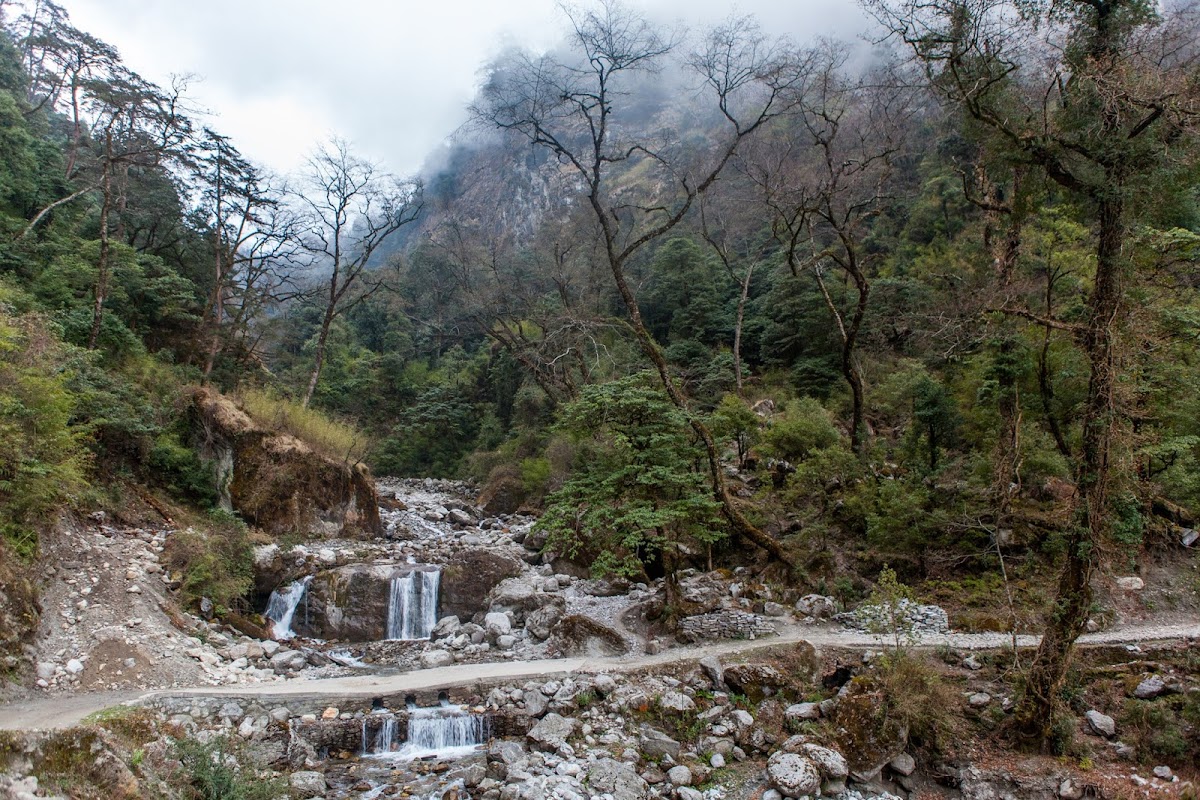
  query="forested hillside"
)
[{"x": 715, "y": 301}]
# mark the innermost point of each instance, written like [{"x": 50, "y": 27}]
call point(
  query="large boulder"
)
[
  {"x": 551, "y": 732},
  {"x": 503, "y": 493},
  {"x": 470, "y": 575},
  {"x": 793, "y": 774},
  {"x": 755, "y": 681},
  {"x": 577, "y": 635},
  {"x": 278, "y": 482},
  {"x": 620, "y": 780}
]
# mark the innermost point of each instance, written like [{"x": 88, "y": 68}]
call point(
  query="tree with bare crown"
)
[{"x": 577, "y": 103}]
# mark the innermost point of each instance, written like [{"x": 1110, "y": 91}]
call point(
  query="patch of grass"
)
[
  {"x": 332, "y": 438},
  {"x": 1166, "y": 730}
]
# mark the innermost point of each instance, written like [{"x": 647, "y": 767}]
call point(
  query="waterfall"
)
[
  {"x": 439, "y": 732},
  {"x": 282, "y": 607},
  {"x": 445, "y": 732},
  {"x": 412, "y": 606}
]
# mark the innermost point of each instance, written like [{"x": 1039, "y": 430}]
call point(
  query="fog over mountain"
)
[{"x": 393, "y": 78}]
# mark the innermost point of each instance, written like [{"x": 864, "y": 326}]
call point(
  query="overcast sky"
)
[{"x": 392, "y": 76}]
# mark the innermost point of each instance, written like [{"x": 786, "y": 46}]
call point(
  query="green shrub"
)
[
  {"x": 804, "y": 427},
  {"x": 217, "y": 564},
  {"x": 42, "y": 460},
  {"x": 219, "y": 770}
]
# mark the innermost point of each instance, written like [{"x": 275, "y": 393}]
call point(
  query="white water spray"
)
[
  {"x": 412, "y": 605},
  {"x": 281, "y": 608},
  {"x": 443, "y": 732}
]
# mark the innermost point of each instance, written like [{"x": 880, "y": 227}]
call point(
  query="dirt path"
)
[{"x": 62, "y": 712}]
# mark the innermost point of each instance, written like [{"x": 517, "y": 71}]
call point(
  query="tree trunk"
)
[
  {"x": 737, "y": 328},
  {"x": 319, "y": 361},
  {"x": 1035, "y": 711},
  {"x": 1008, "y": 402},
  {"x": 100, "y": 290}
]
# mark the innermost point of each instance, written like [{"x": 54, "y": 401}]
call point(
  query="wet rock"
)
[{"x": 349, "y": 602}]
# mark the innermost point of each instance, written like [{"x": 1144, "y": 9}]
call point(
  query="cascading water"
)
[
  {"x": 441, "y": 732},
  {"x": 412, "y": 606},
  {"x": 281, "y": 607}
]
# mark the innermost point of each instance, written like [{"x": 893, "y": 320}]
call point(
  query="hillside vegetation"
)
[{"x": 729, "y": 302}]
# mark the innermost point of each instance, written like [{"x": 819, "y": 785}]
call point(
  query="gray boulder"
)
[
  {"x": 793, "y": 775},
  {"x": 551, "y": 732},
  {"x": 308, "y": 783},
  {"x": 655, "y": 744},
  {"x": 611, "y": 777},
  {"x": 817, "y": 606},
  {"x": 1101, "y": 724}
]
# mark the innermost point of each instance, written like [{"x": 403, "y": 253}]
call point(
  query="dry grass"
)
[{"x": 329, "y": 437}]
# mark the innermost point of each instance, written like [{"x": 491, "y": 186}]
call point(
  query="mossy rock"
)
[{"x": 865, "y": 734}]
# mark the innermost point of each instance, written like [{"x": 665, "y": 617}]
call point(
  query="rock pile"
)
[{"x": 911, "y": 616}]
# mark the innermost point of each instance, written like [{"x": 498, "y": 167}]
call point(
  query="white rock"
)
[
  {"x": 676, "y": 701},
  {"x": 1131, "y": 584},
  {"x": 830, "y": 763},
  {"x": 803, "y": 711},
  {"x": 497, "y": 624},
  {"x": 717, "y": 761},
  {"x": 433, "y": 659},
  {"x": 74, "y": 666},
  {"x": 308, "y": 784},
  {"x": 1150, "y": 688},
  {"x": 680, "y": 775},
  {"x": 979, "y": 699},
  {"x": 793, "y": 775}
]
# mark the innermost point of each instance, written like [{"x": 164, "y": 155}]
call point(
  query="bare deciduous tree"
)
[
  {"x": 572, "y": 105},
  {"x": 349, "y": 208}
]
